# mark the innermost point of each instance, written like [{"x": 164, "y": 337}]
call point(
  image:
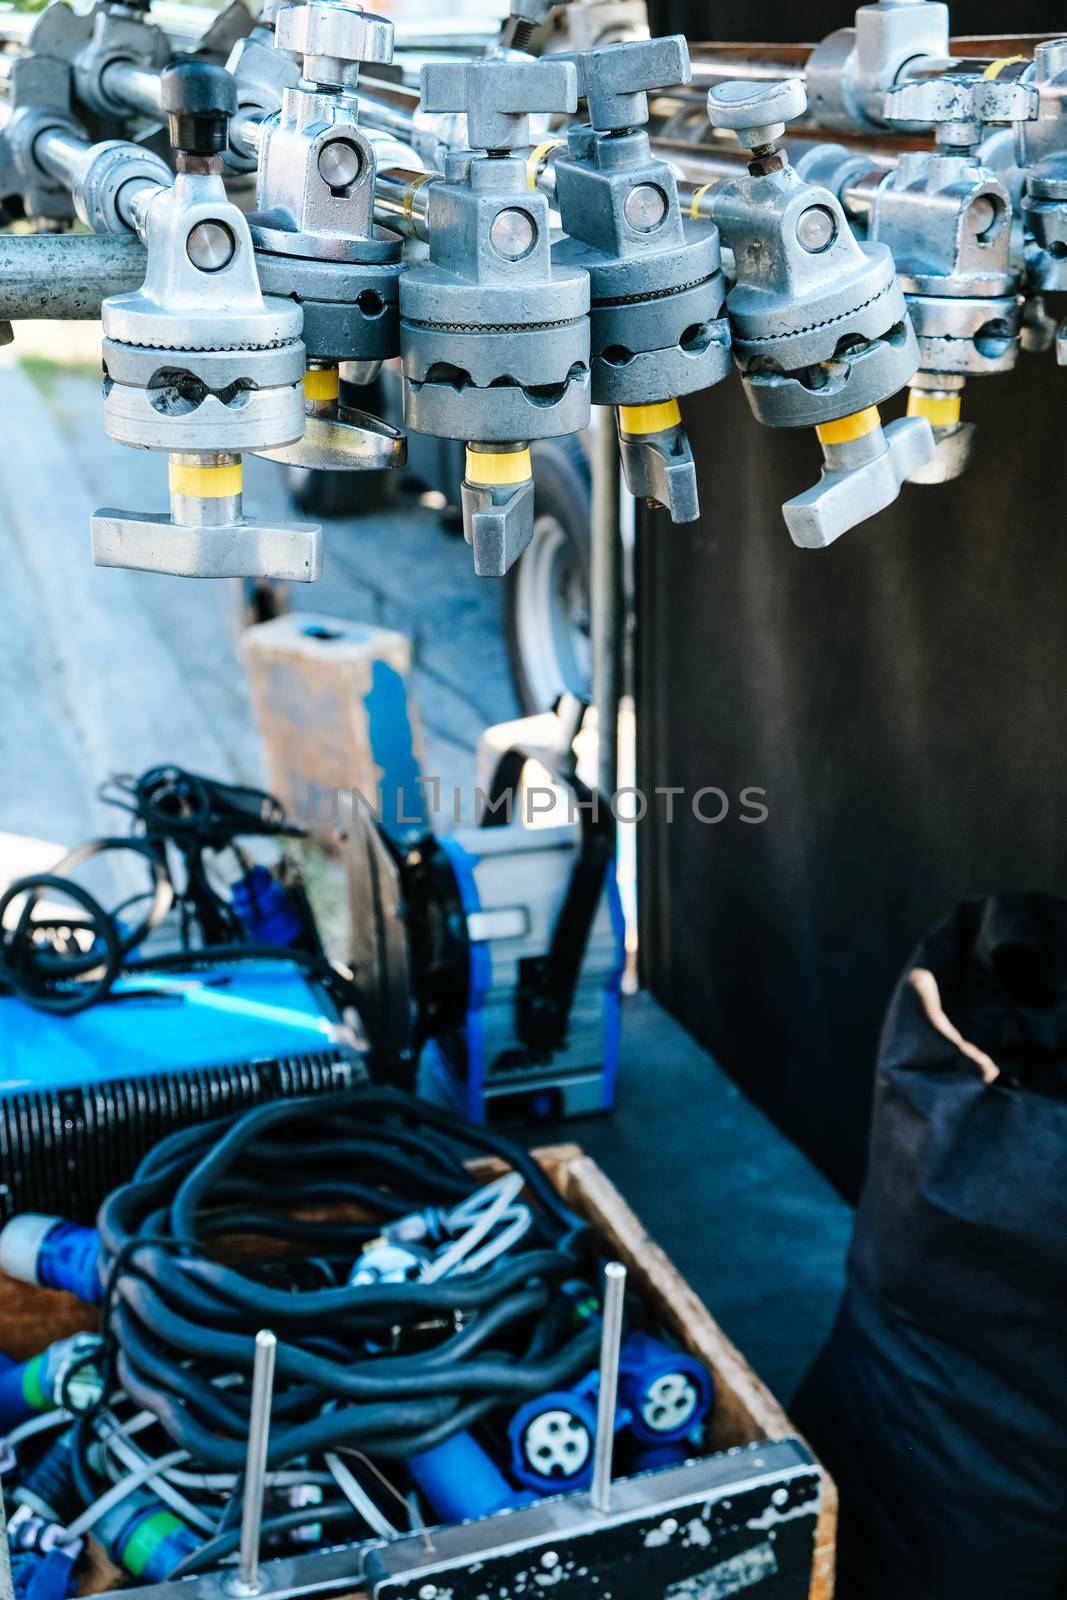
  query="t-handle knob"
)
[
  {"x": 959, "y": 105},
  {"x": 756, "y": 112},
  {"x": 333, "y": 38},
  {"x": 615, "y": 79},
  {"x": 499, "y": 96}
]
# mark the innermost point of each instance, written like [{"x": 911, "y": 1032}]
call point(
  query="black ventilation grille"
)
[{"x": 62, "y": 1151}]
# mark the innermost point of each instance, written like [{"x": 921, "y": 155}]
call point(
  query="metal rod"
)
[
  {"x": 606, "y": 595},
  {"x": 66, "y": 276},
  {"x": 388, "y": 105},
  {"x": 256, "y": 1462},
  {"x": 137, "y": 87},
  {"x": 246, "y": 129},
  {"x": 610, "y": 1344},
  {"x": 401, "y": 197},
  {"x": 61, "y": 153},
  {"x": 70, "y": 159},
  {"x": 716, "y": 63}
]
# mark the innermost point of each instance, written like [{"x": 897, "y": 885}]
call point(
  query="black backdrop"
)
[
  {"x": 898, "y": 696},
  {"x": 795, "y": 21}
]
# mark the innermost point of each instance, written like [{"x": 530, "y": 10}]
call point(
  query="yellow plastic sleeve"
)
[
  {"x": 491, "y": 467},
  {"x": 995, "y": 68},
  {"x": 412, "y": 190},
  {"x": 940, "y": 410},
  {"x": 322, "y": 383},
  {"x": 205, "y": 483},
  {"x": 694, "y": 204},
  {"x": 844, "y": 429},
  {"x": 535, "y": 158},
  {"x": 638, "y": 420}
]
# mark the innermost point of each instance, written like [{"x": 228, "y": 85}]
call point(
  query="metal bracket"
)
[
  {"x": 497, "y": 524},
  {"x": 859, "y": 479},
  {"x": 352, "y": 441},
  {"x": 500, "y": 95},
  {"x": 252, "y": 547},
  {"x": 660, "y": 467},
  {"x": 615, "y": 79},
  {"x": 952, "y": 453}
]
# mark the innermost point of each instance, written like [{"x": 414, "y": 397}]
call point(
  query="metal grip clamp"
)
[
  {"x": 199, "y": 364},
  {"x": 820, "y": 328}
]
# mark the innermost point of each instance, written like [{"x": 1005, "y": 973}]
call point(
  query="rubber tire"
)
[{"x": 562, "y": 491}]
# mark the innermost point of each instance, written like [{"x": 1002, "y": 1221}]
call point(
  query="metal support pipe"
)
[
  {"x": 401, "y": 199},
  {"x": 72, "y": 160},
  {"x": 606, "y": 597},
  {"x": 388, "y": 106},
  {"x": 61, "y": 153},
  {"x": 66, "y": 276},
  {"x": 718, "y": 63},
  {"x": 137, "y": 87},
  {"x": 246, "y": 126},
  {"x": 607, "y": 1398}
]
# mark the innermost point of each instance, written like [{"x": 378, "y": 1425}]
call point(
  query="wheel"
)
[{"x": 546, "y": 597}]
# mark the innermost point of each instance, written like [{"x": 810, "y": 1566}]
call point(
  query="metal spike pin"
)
[
  {"x": 610, "y": 1344},
  {"x": 246, "y": 1581}
]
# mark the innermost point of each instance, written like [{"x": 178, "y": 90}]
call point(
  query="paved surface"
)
[{"x": 131, "y": 668}]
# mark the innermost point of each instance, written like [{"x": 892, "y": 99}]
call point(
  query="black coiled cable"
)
[
  {"x": 391, "y": 1368},
  {"x": 196, "y": 816},
  {"x": 66, "y": 960}
]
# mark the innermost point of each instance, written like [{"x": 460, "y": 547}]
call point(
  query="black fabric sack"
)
[{"x": 939, "y": 1402}]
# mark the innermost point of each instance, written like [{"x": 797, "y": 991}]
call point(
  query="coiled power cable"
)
[
  {"x": 388, "y": 1368},
  {"x": 62, "y": 950}
]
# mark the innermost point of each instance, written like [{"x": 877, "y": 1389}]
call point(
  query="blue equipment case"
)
[{"x": 83, "y": 1097}]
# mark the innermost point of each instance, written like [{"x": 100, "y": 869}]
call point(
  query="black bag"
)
[{"x": 939, "y": 1402}]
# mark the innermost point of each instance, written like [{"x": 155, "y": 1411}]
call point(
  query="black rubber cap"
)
[{"x": 199, "y": 99}]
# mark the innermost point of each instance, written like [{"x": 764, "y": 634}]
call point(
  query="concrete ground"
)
[{"x": 111, "y": 671}]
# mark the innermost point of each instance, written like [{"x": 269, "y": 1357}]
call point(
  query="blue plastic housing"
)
[
  {"x": 461, "y": 1481},
  {"x": 156, "y": 1024}
]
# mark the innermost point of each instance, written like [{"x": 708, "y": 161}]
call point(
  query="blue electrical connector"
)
[
  {"x": 42, "y": 1568},
  {"x": 53, "y": 1253},
  {"x": 63, "y": 1374},
  {"x": 664, "y": 1397},
  {"x": 461, "y": 1481},
  {"x": 49, "y": 1487},
  {"x": 666, "y": 1393},
  {"x": 43, "y": 1575},
  {"x": 552, "y": 1439},
  {"x": 265, "y": 909},
  {"x": 143, "y": 1536}
]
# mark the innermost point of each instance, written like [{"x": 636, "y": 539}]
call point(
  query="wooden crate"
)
[{"x": 745, "y": 1410}]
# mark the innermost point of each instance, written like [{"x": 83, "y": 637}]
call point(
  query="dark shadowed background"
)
[{"x": 899, "y": 696}]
